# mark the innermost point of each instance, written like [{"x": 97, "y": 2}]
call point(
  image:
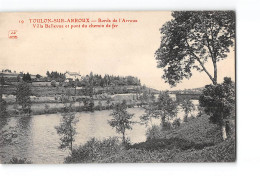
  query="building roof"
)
[{"x": 73, "y": 73}]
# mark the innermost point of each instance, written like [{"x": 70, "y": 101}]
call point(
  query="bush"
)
[
  {"x": 166, "y": 126},
  {"x": 53, "y": 83},
  {"x": 94, "y": 151},
  {"x": 176, "y": 123},
  {"x": 46, "y": 108},
  {"x": 199, "y": 130},
  {"x": 153, "y": 132},
  {"x": 3, "y": 107},
  {"x": 15, "y": 160},
  {"x": 185, "y": 119},
  {"x": 222, "y": 152}
]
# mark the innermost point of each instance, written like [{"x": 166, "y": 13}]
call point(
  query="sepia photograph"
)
[{"x": 118, "y": 87}]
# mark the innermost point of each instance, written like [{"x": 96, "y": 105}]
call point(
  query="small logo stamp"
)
[{"x": 12, "y": 34}]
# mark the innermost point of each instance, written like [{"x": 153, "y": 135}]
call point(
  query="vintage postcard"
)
[{"x": 117, "y": 87}]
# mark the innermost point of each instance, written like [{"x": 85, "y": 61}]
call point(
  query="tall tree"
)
[
  {"x": 191, "y": 39},
  {"x": 164, "y": 108},
  {"x": 67, "y": 129},
  {"x": 2, "y": 82},
  {"x": 27, "y": 78},
  {"x": 48, "y": 74},
  {"x": 89, "y": 91},
  {"x": 3, "y": 104},
  {"x": 121, "y": 119},
  {"x": 219, "y": 103},
  {"x": 23, "y": 93},
  {"x": 187, "y": 107}
]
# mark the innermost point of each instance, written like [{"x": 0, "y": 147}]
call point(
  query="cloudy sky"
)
[{"x": 126, "y": 50}]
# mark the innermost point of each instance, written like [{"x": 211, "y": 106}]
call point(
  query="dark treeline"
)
[
  {"x": 96, "y": 79},
  {"x": 54, "y": 75},
  {"x": 89, "y": 79},
  {"x": 110, "y": 80}
]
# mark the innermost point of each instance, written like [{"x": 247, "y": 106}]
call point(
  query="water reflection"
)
[{"x": 38, "y": 140}]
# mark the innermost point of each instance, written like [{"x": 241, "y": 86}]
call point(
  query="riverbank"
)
[
  {"x": 194, "y": 141},
  {"x": 53, "y": 108},
  {"x": 52, "y": 105}
]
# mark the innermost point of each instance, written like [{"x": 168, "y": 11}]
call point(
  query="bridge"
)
[{"x": 187, "y": 96}]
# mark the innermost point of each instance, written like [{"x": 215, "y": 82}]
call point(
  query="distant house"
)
[
  {"x": 9, "y": 74},
  {"x": 13, "y": 75},
  {"x": 72, "y": 75}
]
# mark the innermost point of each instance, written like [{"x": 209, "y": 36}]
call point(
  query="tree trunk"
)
[
  {"x": 224, "y": 132},
  {"x": 163, "y": 121},
  {"x": 215, "y": 73},
  {"x": 71, "y": 146},
  {"x": 124, "y": 138}
]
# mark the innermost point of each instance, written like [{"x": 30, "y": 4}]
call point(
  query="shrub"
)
[
  {"x": 153, "y": 132},
  {"x": 46, "y": 108},
  {"x": 94, "y": 151},
  {"x": 176, "y": 123},
  {"x": 166, "y": 126},
  {"x": 15, "y": 160},
  {"x": 222, "y": 152},
  {"x": 219, "y": 103},
  {"x": 53, "y": 83},
  {"x": 3, "y": 107},
  {"x": 185, "y": 119}
]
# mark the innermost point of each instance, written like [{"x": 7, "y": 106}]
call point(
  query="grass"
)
[
  {"x": 94, "y": 151},
  {"x": 194, "y": 141},
  {"x": 222, "y": 152}
]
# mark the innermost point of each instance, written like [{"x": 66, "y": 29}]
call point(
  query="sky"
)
[{"x": 126, "y": 50}]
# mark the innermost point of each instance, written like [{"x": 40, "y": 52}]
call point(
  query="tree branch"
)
[{"x": 201, "y": 63}]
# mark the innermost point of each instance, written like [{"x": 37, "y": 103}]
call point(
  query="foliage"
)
[
  {"x": 195, "y": 141},
  {"x": 99, "y": 105},
  {"x": 3, "y": 104},
  {"x": 219, "y": 101},
  {"x": 176, "y": 123},
  {"x": 53, "y": 83},
  {"x": 108, "y": 102},
  {"x": 110, "y": 80},
  {"x": 121, "y": 120},
  {"x": 27, "y": 78},
  {"x": 23, "y": 93},
  {"x": 153, "y": 132},
  {"x": 187, "y": 107},
  {"x": 198, "y": 130},
  {"x": 165, "y": 109},
  {"x": 38, "y": 76},
  {"x": 89, "y": 104},
  {"x": 192, "y": 38},
  {"x": 94, "y": 151},
  {"x": 3, "y": 108},
  {"x": 67, "y": 129},
  {"x": 46, "y": 108},
  {"x": 15, "y": 160},
  {"x": 54, "y": 75},
  {"x": 200, "y": 110},
  {"x": 222, "y": 152}
]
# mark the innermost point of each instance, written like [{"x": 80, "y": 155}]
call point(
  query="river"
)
[{"x": 38, "y": 141}]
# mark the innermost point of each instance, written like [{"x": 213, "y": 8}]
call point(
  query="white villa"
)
[{"x": 72, "y": 75}]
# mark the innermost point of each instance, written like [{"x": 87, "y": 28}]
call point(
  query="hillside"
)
[{"x": 194, "y": 141}]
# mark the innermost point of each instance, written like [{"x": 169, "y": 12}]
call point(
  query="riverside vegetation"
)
[{"x": 196, "y": 139}]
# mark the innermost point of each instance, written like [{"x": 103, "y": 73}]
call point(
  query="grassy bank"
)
[{"x": 194, "y": 141}]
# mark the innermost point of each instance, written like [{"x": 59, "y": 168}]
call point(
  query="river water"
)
[{"x": 38, "y": 141}]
